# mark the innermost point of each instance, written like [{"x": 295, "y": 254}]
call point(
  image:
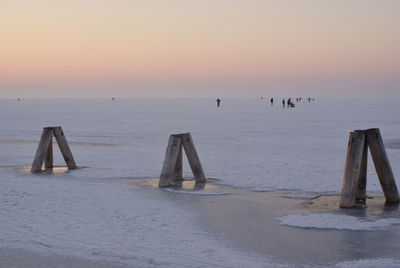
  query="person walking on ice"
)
[{"x": 218, "y": 102}]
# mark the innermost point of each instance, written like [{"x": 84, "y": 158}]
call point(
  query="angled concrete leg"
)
[
  {"x": 64, "y": 148},
  {"x": 352, "y": 169},
  {"x": 178, "y": 167},
  {"x": 193, "y": 158},
  {"x": 170, "y": 161},
  {"x": 48, "y": 161},
  {"x": 382, "y": 165},
  {"x": 361, "y": 194},
  {"x": 42, "y": 149}
]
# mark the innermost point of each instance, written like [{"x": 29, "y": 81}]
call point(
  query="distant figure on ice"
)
[
  {"x": 218, "y": 102},
  {"x": 272, "y": 101},
  {"x": 283, "y": 103},
  {"x": 290, "y": 104}
]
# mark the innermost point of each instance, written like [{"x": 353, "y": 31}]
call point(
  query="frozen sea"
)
[{"x": 92, "y": 214}]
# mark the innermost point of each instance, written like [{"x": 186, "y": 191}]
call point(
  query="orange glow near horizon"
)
[{"x": 186, "y": 41}]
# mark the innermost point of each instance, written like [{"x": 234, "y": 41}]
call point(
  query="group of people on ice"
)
[{"x": 288, "y": 103}]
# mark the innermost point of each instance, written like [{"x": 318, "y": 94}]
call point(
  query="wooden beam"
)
[
  {"x": 42, "y": 149},
  {"x": 382, "y": 165},
  {"x": 352, "y": 169},
  {"x": 361, "y": 194},
  {"x": 193, "y": 158},
  {"x": 170, "y": 161},
  {"x": 178, "y": 167},
  {"x": 64, "y": 148},
  {"x": 48, "y": 161}
]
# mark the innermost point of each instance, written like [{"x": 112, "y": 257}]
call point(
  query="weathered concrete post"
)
[
  {"x": 178, "y": 167},
  {"x": 64, "y": 148},
  {"x": 382, "y": 165},
  {"x": 170, "y": 161},
  {"x": 172, "y": 166},
  {"x": 48, "y": 161},
  {"x": 352, "y": 169},
  {"x": 193, "y": 158},
  {"x": 361, "y": 194},
  {"x": 42, "y": 149}
]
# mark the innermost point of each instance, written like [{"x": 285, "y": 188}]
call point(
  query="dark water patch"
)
[
  {"x": 262, "y": 190},
  {"x": 306, "y": 195}
]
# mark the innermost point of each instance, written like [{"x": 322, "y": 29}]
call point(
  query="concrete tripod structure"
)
[
  {"x": 44, "y": 152},
  {"x": 172, "y": 166},
  {"x": 355, "y": 171}
]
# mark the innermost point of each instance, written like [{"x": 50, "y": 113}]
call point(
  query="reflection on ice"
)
[
  {"x": 187, "y": 186},
  {"x": 48, "y": 171},
  {"x": 196, "y": 192}
]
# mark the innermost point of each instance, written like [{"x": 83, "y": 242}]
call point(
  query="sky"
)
[{"x": 192, "y": 48}]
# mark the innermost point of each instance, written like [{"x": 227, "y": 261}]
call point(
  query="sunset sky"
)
[{"x": 199, "y": 48}]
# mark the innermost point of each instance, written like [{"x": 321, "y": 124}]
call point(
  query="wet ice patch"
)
[
  {"x": 370, "y": 263},
  {"x": 305, "y": 195},
  {"x": 333, "y": 221},
  {"x": 49, "y": 171},
  {"x": 188, "y": 186},
  {"x": 300, "y": 196},
  {"x": 194, "y": 192}
]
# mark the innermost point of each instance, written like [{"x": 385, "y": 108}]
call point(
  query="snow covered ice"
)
[
  {"x": 106, "y": 221},
  {"x": 89, "y": 213}
]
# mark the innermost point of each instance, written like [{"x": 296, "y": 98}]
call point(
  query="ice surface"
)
[
  {"x": 370, "y": 263},
  {"x": 107, "y": 221},
  {"x": 245, "y": 143},
  {"x": 392, "y": 144},
  {"x": 335, "y": 221}
]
